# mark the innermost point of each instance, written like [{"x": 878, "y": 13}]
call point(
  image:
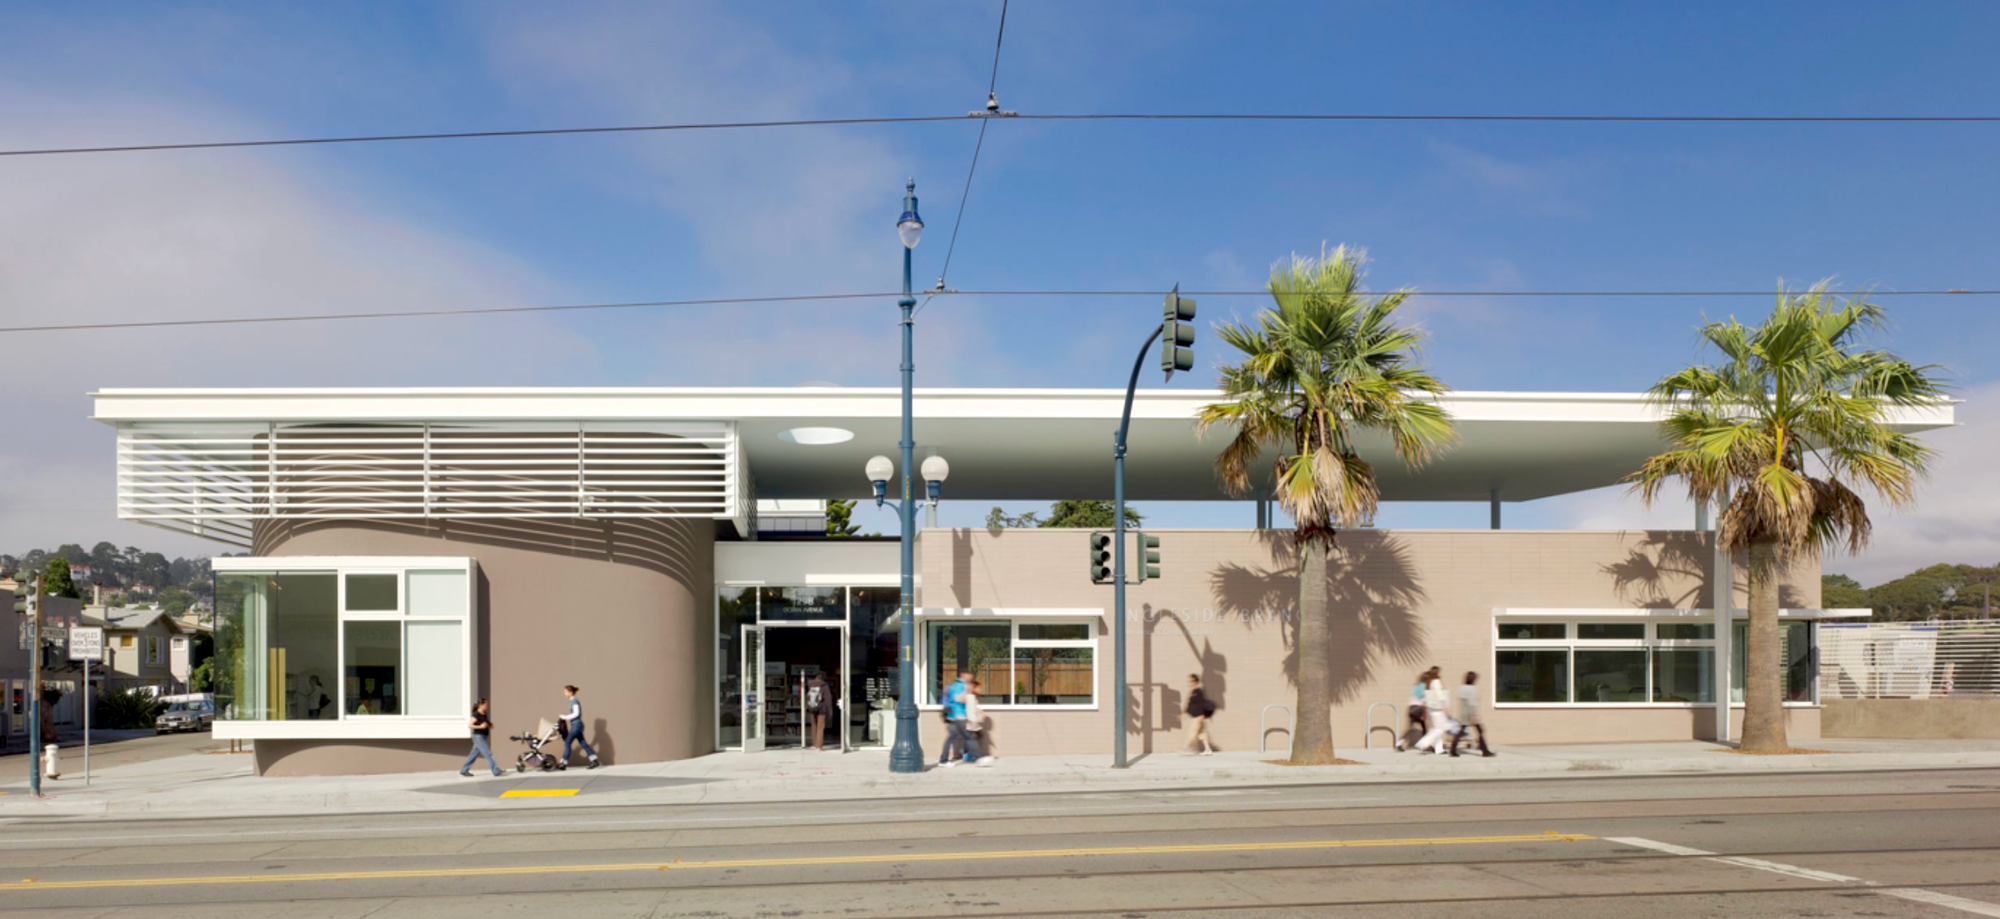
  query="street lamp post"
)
[{"x": 908, "y": 754}]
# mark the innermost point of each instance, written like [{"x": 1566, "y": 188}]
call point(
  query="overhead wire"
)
[
  {"x": 835, "y": 297},
  {"x": 1047, "y": 116},
  {"x": 964, "y": 195}
]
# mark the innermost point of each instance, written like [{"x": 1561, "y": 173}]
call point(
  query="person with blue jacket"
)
[
  {"x": 573, "y": 728},
  {"x": 954, "y": 718}
]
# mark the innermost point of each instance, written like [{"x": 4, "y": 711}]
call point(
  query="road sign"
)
[{"x": 86, "y": 643}]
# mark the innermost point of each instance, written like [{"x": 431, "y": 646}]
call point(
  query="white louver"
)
[{"x": 217, "y": 479}]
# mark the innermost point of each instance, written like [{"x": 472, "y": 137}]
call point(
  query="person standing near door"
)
[
  {"x": 482, "y": 731},
  {"x": 573, "y": 728},
  {"x": 820, "y": 706}
]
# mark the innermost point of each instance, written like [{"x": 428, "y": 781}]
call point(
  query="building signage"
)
[{"x": 86, "y": 643}]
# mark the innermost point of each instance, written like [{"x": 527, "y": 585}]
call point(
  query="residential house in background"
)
[{"x": 143, "y": 649}]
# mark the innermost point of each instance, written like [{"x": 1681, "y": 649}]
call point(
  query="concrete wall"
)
[
  {"x": 623, "y": 609},
  {"x": 1951, "y": 718},
  {"x": 1402, "y": 600}
]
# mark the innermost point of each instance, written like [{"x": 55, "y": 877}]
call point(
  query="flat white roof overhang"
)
[{"x": 1003, "y": 444}]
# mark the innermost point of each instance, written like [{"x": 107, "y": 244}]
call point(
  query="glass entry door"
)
[{"x": 753, "y": 689}]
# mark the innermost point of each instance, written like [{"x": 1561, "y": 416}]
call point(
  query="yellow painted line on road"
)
[
  {"x": 894, "y": 858},
  {"x": 540, "y": 793}
]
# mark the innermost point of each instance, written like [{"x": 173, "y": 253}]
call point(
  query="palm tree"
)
[
  {"x": 1776, "y": 434},
  {"x": 1326, "y": 362}
]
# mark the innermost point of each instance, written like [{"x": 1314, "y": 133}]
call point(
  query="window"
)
[
  {"x": 1624, "y": 662},
  {"x": 1795, "y": 650},
  {"x": 1531, "y": 675},
  {"x": 1020, "y": 663},
  {"x": 1532, "y": 631},
  {"x": 153, "y": 650},
  {"x": 802, "y": 603},
  {"x": 333, "y": 644},
  {"x": 125, "y": 641}
]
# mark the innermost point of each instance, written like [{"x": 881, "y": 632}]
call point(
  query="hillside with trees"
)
[
  {"x": 128, "y": 575},
  {"x": 1937, "y": 592}
]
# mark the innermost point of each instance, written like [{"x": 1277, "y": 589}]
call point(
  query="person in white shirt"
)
[
  {"x": 1435, "y": 704},
  {"x": 1468, "y": 715},
  {"x": 573, "y": 728},
  {"x": 975, "y": 724}
]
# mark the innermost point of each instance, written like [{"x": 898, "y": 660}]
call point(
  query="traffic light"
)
[
  {"x": 1177, "y": 333},
  {"x": 1100, "y": 558},
  {"x": 1149, "y": 557}
]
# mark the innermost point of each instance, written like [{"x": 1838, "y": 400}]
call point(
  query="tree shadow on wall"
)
[
  {"x": 1664, "y": 571},
  {"x": 1372, "y": 591}
]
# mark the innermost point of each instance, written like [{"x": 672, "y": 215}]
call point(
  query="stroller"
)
[{"x": 537, "y": 757}]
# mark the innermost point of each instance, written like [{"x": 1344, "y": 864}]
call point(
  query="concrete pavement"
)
[{"x": 220, "y": 784}]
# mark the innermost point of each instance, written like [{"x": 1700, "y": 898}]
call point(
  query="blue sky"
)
[{"x": 1054, "y": 205}]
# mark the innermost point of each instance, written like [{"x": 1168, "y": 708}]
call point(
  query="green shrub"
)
[{"x": 126, "y": 710}]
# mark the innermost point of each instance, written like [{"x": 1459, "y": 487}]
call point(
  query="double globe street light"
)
[{"x": 907, "y": 755}]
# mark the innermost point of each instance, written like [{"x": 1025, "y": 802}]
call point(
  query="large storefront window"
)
[
  {"x": 737, "y": 608},
  {"x": 1630, "y": 662},
  {"x": 331, "y": 644},
  {"x": 866, "y": 685},
  {"x": 1020, "y": 662}
]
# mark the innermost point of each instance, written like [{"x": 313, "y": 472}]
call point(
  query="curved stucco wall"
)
[{"x": 623, "y": 609}]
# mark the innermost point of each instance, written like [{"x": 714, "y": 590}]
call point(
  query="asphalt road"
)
[
  {"x": 107, "y": 752},
  {"x": 1915, "y": 844}
]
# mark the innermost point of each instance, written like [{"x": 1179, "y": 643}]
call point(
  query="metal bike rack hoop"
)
[{"x": 1264, "y": 731}]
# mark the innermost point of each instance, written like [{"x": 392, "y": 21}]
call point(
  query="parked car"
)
[{"x": 190, "y": 715}]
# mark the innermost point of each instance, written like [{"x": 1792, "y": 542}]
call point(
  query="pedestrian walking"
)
[
  {"x": 1199, "y": 710},
  {"x": 820, "y": 705},
  {"x": 954, "y": 719},
  {"x": 1418, "y": 724},
  {"x": 1436, "y": 701},
  {"x": 572, "y": 724},
  {"x": 482, "y": 740},
  {"x": 975, "y": 725},
  {"x": 1468, "y": 715}
]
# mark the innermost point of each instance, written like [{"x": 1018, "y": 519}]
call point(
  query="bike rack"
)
[
  {"x": 1368, "y": 738},
  {"x": 1264, "y": 732}
]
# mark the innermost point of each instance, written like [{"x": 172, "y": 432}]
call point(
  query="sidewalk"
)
[{"x": 220, "y": 784}]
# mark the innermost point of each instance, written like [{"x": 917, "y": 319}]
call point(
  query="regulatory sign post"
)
[{"x": 86, "y": 644}]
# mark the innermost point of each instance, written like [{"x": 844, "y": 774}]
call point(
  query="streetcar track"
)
[
  {"x": 747, "y": 882},
  {"x": 929, "y": 818}
]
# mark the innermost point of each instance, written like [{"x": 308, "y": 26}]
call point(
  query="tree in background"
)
[
  {"x": 1838, "y": 591},
  {"x": 840, "y": 518},
  {"x": 1096, "y": 515},
  {"x": 1911, "y": 597},
  {"x": 1792, "y": 397},
  {"x": 73, "y": 554},
  {"x": 1323, "y": 364},
  {"x": 56, "y": 581}
]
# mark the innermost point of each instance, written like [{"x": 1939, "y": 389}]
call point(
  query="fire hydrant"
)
[{"x": 52, "y": 761}]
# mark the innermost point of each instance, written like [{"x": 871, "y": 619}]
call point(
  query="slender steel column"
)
[{"x": 908, "y": 754}]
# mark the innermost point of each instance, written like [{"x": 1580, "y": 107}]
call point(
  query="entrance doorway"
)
[{"x": 788, "y": 657}]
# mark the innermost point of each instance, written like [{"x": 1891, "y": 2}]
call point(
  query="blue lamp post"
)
[{"x": 907, "y": 755}]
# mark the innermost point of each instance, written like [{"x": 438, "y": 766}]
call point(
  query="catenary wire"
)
[
  {"x": 816, "y": 298},
  {"x": 1057, "y": 116},
  {"x": 965, "y": 194}
]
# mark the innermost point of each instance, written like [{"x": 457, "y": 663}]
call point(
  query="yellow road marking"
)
[
  {"x": 895, "y": 858},
  {"x": 540, "y": 793}
]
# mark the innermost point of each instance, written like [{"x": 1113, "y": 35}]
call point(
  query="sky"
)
[{"x": 1053, "y": 205}]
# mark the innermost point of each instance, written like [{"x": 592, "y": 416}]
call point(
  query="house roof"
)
[{"x": 129, "y": 619}]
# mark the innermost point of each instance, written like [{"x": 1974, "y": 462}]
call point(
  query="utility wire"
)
[
  {"x": 1108, "y": 116},
  {"x": 816, "y": 298},
  {"x": 469, "y": 135},
  {"x": 992, "y": 86}
]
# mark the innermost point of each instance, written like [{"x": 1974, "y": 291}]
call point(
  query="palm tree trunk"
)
[
  {"x": 1312, "y": 740},
  {"x": 1763, "y": 660}
]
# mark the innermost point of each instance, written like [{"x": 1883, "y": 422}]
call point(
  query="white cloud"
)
[{"x": 124, "y": 238}]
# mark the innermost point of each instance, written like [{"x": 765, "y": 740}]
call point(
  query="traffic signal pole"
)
[
  {"x": 1174, "y": 355},
  {"x": 35, "y": 689}
]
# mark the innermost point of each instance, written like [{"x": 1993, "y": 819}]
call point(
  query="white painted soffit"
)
[{"x": 1004, "y": 444}]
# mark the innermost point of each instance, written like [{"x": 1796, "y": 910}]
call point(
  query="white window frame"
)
[
  {"x": 1571, "y": 619},
  {"x": 152, "y": 650},
  {"x": 373, "y": 726},
  {"x": 1088, "y": 618}
]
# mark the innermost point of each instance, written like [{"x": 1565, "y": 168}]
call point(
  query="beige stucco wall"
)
[
  {"x": 1954, "y": 719},
  {"x": 1402, "y": 600},
  {"x": 624, "y": 610}
]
